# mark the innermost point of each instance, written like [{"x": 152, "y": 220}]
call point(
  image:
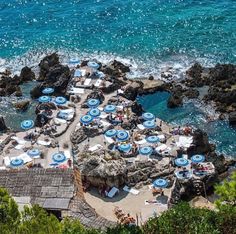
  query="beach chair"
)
[
  {"x": 95, "y": 147},
  {"x": 109, "y": 139},
  {"x": 87, "y": 82},
  {"x": 140, "y": 126},
  {"x": 98, "y": 83},
  {"x": 113, "y": 192}
]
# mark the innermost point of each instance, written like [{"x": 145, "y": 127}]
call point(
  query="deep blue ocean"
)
[{"x": 150, "y": 35}]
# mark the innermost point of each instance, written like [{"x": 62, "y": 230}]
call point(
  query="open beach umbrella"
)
[
  {"x": 93, "y": 64},
  {"x": 149, "y": 124},
  {"x": 77, "y": 73},
  {"x": 27, "y": 124},
  {"x": 160, "y": 183},
  {"x": 109, "y": 108},
  {"x": 44, "y": 99},
  {"x": 60, "y": 100},
  {"x": 74, "y": 61},
  {"x": 152, "y": 139},
  {"x": 48, "y": 90},
  {"x": 198, "y": 158},
  {"x": 125, "y": 147},
  {"x": 94, "y": 112},
  {"x": 122, "y": 135},
  {"x": 100, "y": 74},
  {"x": 111, "y": 133},
  {"x": 34, "y": 153},
  {"x": 181, "y": 162},
  {"x": 59, "y": 157},
  {"x": 148, "y": 116},
  {"x": 86, "y": 119},
  {"x": 93, "y": 103},
  {"x": 17, "y": 162},
  {"x": 146, "y": 150}
]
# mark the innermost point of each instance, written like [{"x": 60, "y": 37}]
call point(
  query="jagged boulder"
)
[
  {"x": 3, "y": 126},
  {"x": 22, "y": 105},
  {"x": 174, "y": 101},
  {"x": 26, "y": 74},
  {"x": 195, "y": 71},
  {"x": 232, "y": 118}
]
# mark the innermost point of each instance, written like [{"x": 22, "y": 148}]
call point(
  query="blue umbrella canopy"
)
[
  {"x": 146, "y": 150},
  {"x": 109, "y": 108},
  {"x": 17, "y": 162},
  {"x": 125, "y": 147},
  {"x": 77, "y": 73},
  {"x": 27, "y": 124},
  {"x": 59, "y": 157},
  {"x": 160, "y": 183},
  {"x": 181, "y": 162},
  {"x": 152, "y": 139},
  {"x": 74, "y": 61},
  {"x": 60, "y": 100},
  {"x": 48, "y": 90},
  {"x": 92, "y": 103},
  {"x": 44, "y": 99},
  {"x": 148, "y": 116},
  {"x": 122, "y": 135},
  {"x": 86, "y": 119},
  {"x": 111, "y": 133},
  {"x": 149, "y": 124},
  {"x": 198, "y": 158},
  {"x": 94, "y": 112},
  {"x": 34, "y": 153},
  {"x": 93, "y": 64}
]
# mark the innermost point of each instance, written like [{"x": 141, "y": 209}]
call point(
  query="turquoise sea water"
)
[{"x": 150, "y": 35}]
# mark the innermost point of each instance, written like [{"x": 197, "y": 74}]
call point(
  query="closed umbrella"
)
[
  {"x": 146, "y": 150},
  {"x": 94, "y": 112},
  {"x": 111, "y": 133},
  {"x": 93, "y": 103},
  {"x": 110, "y": 108},
  {"x": 160, "y": 183},
  {"x": 86, "y": 119},
  {"x": 93, "y": 65},
  {"x": 60, "y": 100},
  {"x": 48, "y": 90},
  {"x": 148, "y": 116},
  {"x": 17, "y": 162},
  {"x": 125, "y": 147},
  {"x": 59, "y": 157},
  {"x": 181, "y": 162},
  {"x": 152, "y": 139},
  {"x": 122, "y": 135},
  {"x": 27, "y": 124},
  {"x": 44, "y": 99},
  {"x": 149, "y": 124},
  {"x": 198, "y": 158}
]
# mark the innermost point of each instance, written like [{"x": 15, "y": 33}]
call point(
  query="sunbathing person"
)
[{"x": 156, "y": 191}]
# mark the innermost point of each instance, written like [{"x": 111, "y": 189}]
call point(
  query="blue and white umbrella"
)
[
  {"x": 146, "y": 150},
  {"x": 111, "y": 133},
  {"x": 109, "y": 108},
  {"x": 27, "y": 124},
  {"x": 77, "y": 73},
  {"x": 34, "y": 153},
  {"x": 149, "y": 124},
  {"x": 152, "y": 139},
  {"x": 59, "y": 157},
  {"x": 148, "y": 116},
  {"x": 86, "y": 119},
  {"x": 181, "y": 162},
  {"x": 100, "y": 74},
  {"x": 125, "y": 147},
  {"x": 17, "y": 162},
  {"x": 48, "y": 90},
  {"x": 44, "y": 99},
  {"x": 93, "y": 64},
  {"x": 122, "y": 135},
  {"x": 93, "y": 103},
  {"x": 74, "y": 61},
  {"x": 160, "y": 183},
  {"x": 60, "y": 100},
  {"x": 198, "y": 158},
  {"x": 94, "y": 112}
]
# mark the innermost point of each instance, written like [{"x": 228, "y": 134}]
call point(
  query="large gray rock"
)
[
  {"x": 26, "y": 74},
  {"x": 232, "y": 118},
  {"x": 22, "y": 105},
  {"x": 3, "y": 126}
]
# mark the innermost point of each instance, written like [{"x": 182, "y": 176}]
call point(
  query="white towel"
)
[
  {"x": 98, "y": 82},
  {"x": 131, "y": 190},
  {"x": 59, "y": 121},
  {"x": 140, "y": 126},
  {"x": 95, "y": 147},
  {"x": 87, "y": 82}
]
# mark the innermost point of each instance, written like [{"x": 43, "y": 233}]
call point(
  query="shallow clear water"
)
[{"x": 219, "y": 132}]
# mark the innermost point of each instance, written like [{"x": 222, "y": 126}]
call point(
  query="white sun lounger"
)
[
  {"x": 109, "y": 140},
  {"x": 67, "y": 111},
  {"x": 83, "y": 71},
  {"x": 120, "y": 107},
  {"x": 67, "y": 154},
  {"x": 25, "y": 157},
  {"x": 141, "y": 142},
  {"x": 45, "y": 143},
  {"x": 7, "y": 161},
  {"x": 105, "y": 123},
  {"x": 59, "y": 121},
  {"x": 87, "y": 82},
  {"x": 184, "y": 141},
  {"x": 95, "y": 147},
  {"x": 76, "y": 90},
  {"x": 113, "y": 192},
  {"x": 98, "y": 83},
  {"x": 162, "y": 147},
  {"x": 131, "y": 190},
  {"x": 18, "y": 147},
  {"x": 19, "y": 141},
  {"x": 120, "y": 91},
  {"x": 140, "y": 126},
  {"x": 103, "y": 115}
]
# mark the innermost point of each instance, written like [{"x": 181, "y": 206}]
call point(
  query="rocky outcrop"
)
[
  {"x": 3, "y": 126},
  {"x": 96, "y": 94},
  {"x": 174, "y": 101},
  {"x": 26, "y": 74},
  {"x": 132, "y": 91},
  {"x": 137, "y": 108},
  {"x": 232, "y": 118},
  {"x": 22, "y": 105}
]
